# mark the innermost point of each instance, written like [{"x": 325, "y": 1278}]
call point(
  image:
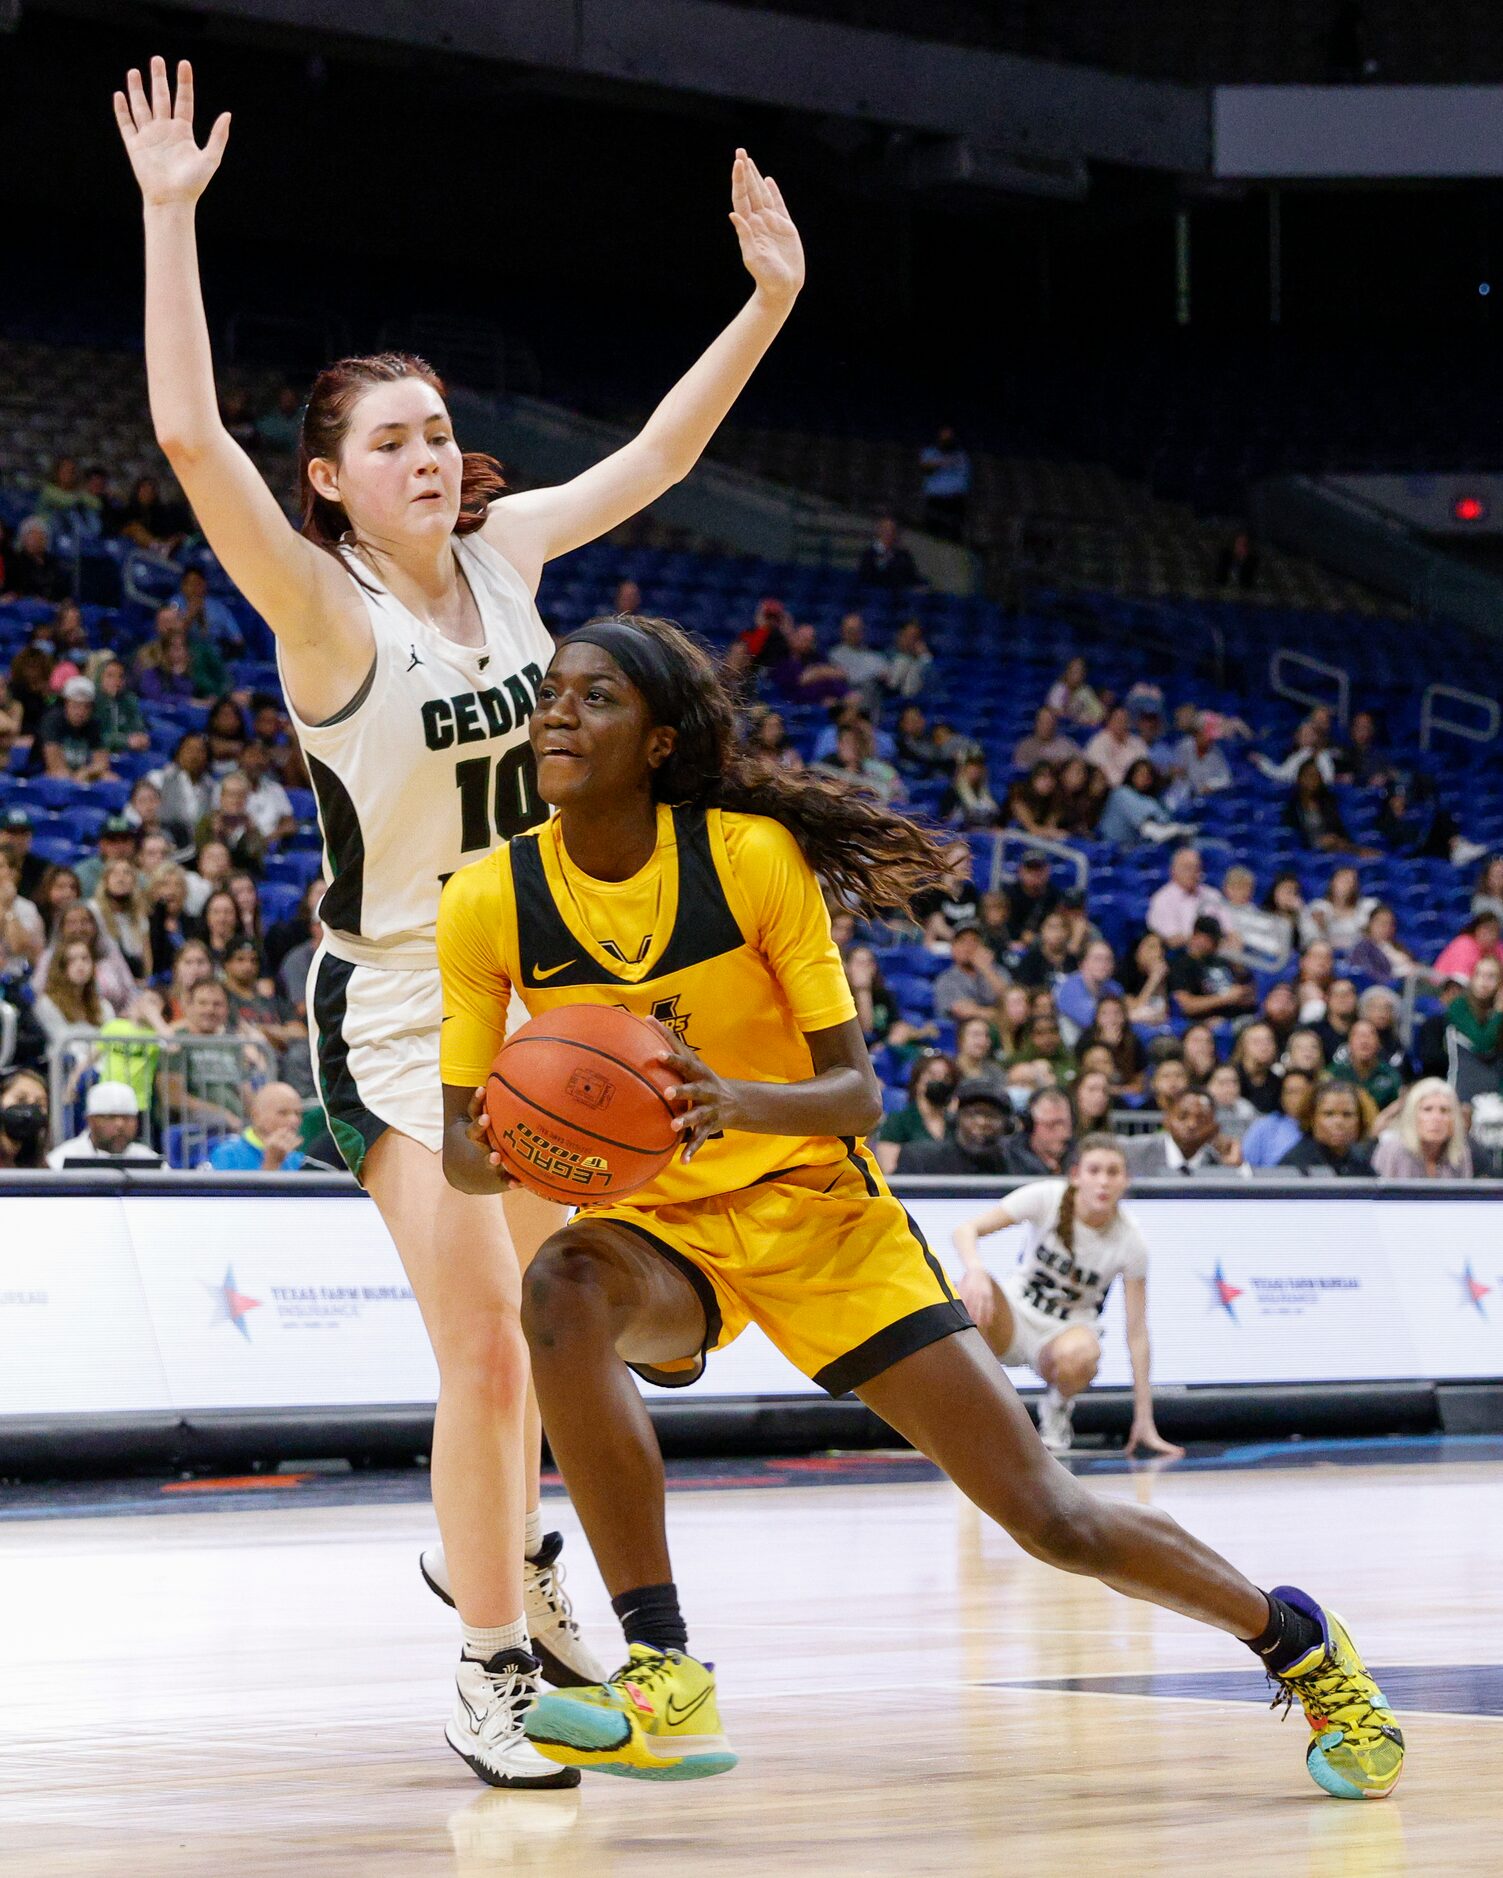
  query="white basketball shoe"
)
[
  {"x": 1056, "y": 1422},
  {"x": 485, "y": 1731},
  {"x": 565, "y": 1656}
]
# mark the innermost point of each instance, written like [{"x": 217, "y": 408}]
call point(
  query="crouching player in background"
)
[{"x": 1043, "y": 1315}]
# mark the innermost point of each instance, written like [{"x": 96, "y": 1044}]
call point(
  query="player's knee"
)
[
  {"x": 1073, "y": 1365},
  {"x": 1061, "y": 1527},
  {"x": 482, "y": 1353},
  {"x": 1076, "y": 1372},
  {"x": 564, "y": 1294}
]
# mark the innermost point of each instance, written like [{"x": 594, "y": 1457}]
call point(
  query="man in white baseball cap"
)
[{"x": 113, "y": 1118}]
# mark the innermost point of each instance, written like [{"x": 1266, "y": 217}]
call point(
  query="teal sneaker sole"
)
[
  {"x": 692, "y": 1767},
  {"x": 576, "y": 1725},
  {"x": 1337, "y": 1785},
  {"x": 555, "y": 1721}
]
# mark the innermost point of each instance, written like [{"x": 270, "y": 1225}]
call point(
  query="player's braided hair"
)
[
  {"x": 870, "y": 858},
  {"x": 1100, "y": 1143}
]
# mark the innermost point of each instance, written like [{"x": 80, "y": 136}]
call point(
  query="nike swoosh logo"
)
[
  {"x": 539, "y": 975},
  {"x": 677, "y": 1714}
]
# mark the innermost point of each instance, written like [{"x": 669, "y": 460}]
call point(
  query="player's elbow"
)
[
  {"x": 459, "y": 1171},
  {"x": 185, "y": 443},
  {"x": 659, "y": 463},
  {"x": 869, "y": 1103}
]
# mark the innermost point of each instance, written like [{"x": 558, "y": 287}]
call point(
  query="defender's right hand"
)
[
  {"x": 158, "y": 136},
  {"x": 978, "y": 1293}
]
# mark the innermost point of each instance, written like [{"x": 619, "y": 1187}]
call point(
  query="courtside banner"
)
[
  {"x": 180, "y": 1301},
  {"x": 1449, "y": 1275},
  {"x": 75, "y": 1334},
  {"x": 278, "y": 1302}
]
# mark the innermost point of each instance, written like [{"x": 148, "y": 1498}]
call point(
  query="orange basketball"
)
[{"x": 576, "y": 1104}]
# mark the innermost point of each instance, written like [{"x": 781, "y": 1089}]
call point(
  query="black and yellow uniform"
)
[{"x": 724, "y": 937}]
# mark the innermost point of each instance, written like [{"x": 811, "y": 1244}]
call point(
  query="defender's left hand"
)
[
  {"x": 770, "y": 245},
  {"x": 1146, "y": 1435},
  {"x": 704, "y": 1103}
]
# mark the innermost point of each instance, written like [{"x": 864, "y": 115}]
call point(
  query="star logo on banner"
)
[
  {"x": 1474, "y": 1288},
  {"x": 231, "y": 1305},
  {"x": 1224, "y": 1294}
]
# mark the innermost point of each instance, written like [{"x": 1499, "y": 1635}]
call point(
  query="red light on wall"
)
[{"x": 1469, "y": 509}]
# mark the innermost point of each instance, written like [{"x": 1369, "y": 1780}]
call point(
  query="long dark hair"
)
[
  {"x": 870, "y": 858},
  {"x": 326, "y": 423}
]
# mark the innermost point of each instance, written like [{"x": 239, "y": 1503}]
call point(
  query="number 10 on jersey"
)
[{"x": 513, "y": 803}]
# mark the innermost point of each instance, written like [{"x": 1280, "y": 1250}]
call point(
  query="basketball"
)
[{"x": 576, "y": 1104}]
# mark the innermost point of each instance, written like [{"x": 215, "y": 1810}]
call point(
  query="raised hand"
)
[
  {"x": 158, "y": 136},
  {"x": 770, "y": 246}
]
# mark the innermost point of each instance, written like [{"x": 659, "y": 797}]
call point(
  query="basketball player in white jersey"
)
[{"x": 410, "y": 650}]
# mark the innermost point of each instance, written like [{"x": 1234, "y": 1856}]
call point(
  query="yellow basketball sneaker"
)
[
  {"x": 1358, "y": 1750},
  {"x": 656, "y": 1719}
]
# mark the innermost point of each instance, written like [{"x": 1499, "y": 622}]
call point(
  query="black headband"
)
[{"x": 640, "y": 656}]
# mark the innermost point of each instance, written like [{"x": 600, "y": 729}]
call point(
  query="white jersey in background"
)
[
  {"x": 426, "y": 769},
  {"x": 1069, "y": 1286}
]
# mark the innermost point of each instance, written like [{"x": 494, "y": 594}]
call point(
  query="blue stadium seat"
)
[
  {"x": 278, "y": 899},
  {"x": 187, "y": 1144},
  {"x": 81, "y": 825},
  {"x": 297, "y": 867},
  {"x": 59, "y": 792}
]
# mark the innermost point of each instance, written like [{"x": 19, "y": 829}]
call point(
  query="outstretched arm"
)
[
  {"x": 1144, "y": 1432},
  {"x": 292, "y": 584},
  {"x": 536, "y": 526},
  {"x": 978, "y": 1289}
]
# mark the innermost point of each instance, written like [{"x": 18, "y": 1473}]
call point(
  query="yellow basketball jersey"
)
[{"x": 723, "y": 937}]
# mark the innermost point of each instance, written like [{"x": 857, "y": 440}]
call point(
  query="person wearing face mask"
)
[
  {"x": 931, "y": 1089},
  {"x": 975, "y": 1144},
  {"x": 23, "y": 1121}
]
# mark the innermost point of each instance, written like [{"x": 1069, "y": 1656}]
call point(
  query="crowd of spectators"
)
[
  {"x": 1025, "y": 1033},
  {"x": 128, "y": 963},
  {"x": 1250, "y": 1023},
  {"x": 1241, "y": 1027}
]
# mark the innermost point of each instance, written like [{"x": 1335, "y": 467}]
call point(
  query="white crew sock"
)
[
  {"x": 481, "y": 1643},
  {"x": 532, "y": 1533}
]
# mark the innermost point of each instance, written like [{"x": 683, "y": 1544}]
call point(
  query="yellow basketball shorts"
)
[{"x": 825, "y": 1260}]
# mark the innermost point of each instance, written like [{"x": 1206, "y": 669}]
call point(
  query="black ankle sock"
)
[
  {"x": 651, "y": 1615},
  {"x": 1289, "y": 1634}
]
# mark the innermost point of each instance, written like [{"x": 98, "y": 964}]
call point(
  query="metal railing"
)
[
  {"x": 1004, "y": 838},
  {"x": 1286, "y": 655},
  {"x": 1432, "y": 716},
  {"x": 191, "y": 1091},
  {"x": 1134, "y": 1121},
  {"x": 1419, "y": 982}
]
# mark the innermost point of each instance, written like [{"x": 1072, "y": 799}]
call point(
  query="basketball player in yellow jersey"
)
[
  {"x": 409, "y": 645},
  {"x": 680, "y": 878}
]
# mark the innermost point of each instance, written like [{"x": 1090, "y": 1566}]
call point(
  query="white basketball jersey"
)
[{"x": 428, "y": 767}]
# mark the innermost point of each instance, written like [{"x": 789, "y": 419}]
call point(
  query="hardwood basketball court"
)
[{"x": 260, "y": 1688}]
